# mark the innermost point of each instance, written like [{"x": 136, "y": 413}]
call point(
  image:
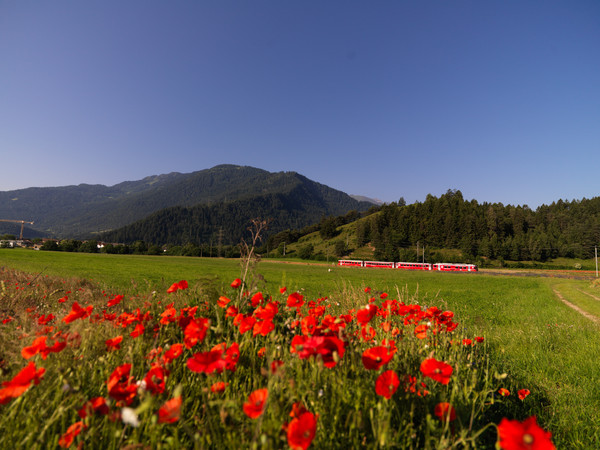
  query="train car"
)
[
  {"x": 455, "y": 267},
  {"x": 413, "y": 266},
  {"x": 350, "y": 262},
  {"x": 384, "y": 264}
]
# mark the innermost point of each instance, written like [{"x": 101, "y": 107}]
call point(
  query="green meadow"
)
[{"x": 531, "y": 336}]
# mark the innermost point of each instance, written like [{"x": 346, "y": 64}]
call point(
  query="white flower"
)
[{"x": 129, "y": 417}]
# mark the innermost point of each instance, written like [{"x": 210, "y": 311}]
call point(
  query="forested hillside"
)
[
  {"x": 84, "y": 211},
  {"x": 564, "y": 228}
]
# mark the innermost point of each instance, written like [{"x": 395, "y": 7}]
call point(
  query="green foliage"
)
[{"x": 306, "y": 251}]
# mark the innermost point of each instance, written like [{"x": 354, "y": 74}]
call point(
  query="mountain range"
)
[{"x": 175, "y": 207}]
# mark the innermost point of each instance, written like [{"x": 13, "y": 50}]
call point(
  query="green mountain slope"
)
[{"x": 86, "y": 210}]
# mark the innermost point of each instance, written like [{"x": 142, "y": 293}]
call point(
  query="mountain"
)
[
  {"x": 362, "y": 198},
  {"x": 87, "y": 210}
]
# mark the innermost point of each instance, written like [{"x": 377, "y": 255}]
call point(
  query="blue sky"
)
[{"x": 388, "y": 99}]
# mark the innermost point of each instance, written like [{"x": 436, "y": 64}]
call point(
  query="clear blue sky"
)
[{"x": 388, "y": 99}]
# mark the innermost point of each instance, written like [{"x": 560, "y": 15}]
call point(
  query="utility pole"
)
[
  {"x": 417, "y": 251},
  {"x": 283, "y": 248},
  {"x": 596, "y": 253}
]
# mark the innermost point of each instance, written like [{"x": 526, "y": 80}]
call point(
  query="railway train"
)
[{"x": 443, "y": 267}]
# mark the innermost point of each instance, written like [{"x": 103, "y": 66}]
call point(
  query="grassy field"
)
[{"x": 539, "y": 342}]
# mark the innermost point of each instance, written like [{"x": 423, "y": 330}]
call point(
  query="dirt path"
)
[
  {"x": 576, "y": 308},
  {"x": 590, "y": 295}
]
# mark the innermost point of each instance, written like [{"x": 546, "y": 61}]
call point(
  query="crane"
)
[{"x": 22, "y": 222}]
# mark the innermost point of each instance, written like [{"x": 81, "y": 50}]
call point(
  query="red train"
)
[{"x": 443, "y": 267}]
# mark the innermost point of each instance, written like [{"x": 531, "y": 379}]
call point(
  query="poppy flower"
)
[
  {"x": 183, "y": 284},
  {"x": 121, "y": 386},
  {"x": 207, "y": 362},
  {"x": 523, "y": 393},
  {"x": 295, "y": 300},
  {"x": 263, "y": 327},
  {"x": 255, "y": 405},
  {"x": 282, "y": 290},
  {"x": 77, "y": 312},
  {"x": 436, "y": 370},
  {"x": 504, "y": 392},
  {"x": 114, "y": 301},
  {"x": 528, "y": 435},
  {"x": 222, "y": 302},
  {"x": 195, "y": 332},
  {"x": 114, "y": 343},
  {"x": 219, "y": 387},
  {"x": 364, "y": 316},
  {"x": 301, "y": 431},
  {"x": 173, "y": 353},
  {"x": 138, "y": 331},
  {"x": 375, "y": 357},
  {"x": 96, "y": 404},
  {"x": 67, "y": 438},
  {"x": 467, "y": 342},
  {"x": 20, "y": 383},
  {"x": 445, "y": 411},
  {"x": 387, "y": 383},
  {"x": 170, "y": 411},
  {"x": 236, "y": 283},
  {"x": 37, "y": 345},
  {"x": 155, "y": 380}
]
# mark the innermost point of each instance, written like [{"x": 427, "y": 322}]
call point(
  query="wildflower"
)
[
  {"x": 261, "y": 352},
  {"x": 20, "y": 383},
  {"x": 445, "y": 412},
  {"x": 436, "y": 370},
  {"x": 255, "y": 405},
  {"x": 295, "y": 300},
  {"x": 207, "y": 362},
  {"x": 114, "y": 343},
  {"x": 301, "y": 431},
  {"x": 169, "y": 412},
  {"x": 67, "y": 438},
  {"x": 528, "y": 435},
  {"x": 222, "y": 302},
  {"x": 138, "y": 331},
  {"x": 155, "y": 380},
  {"x": 121, "y": 386},
  {"x": 236, "y": 283},
  {"x": 387, "y": 383},
  {"x": 467, "y": 342},
  {"x": 77, "y": 312},
  {"x": 219, "y": 387},
  {"x": 114, "y": 301},
  {"x": 173, "y": 353},
  {"x": 504, "y": 392},
  {"x": 97, "y": 405},
  {"x": 195, "y": 332},
  {"x": 183, "y": 284},
  {"x": 375, "y": 357},
  {"x": 129, "y": 417},
  {"x": 523, "y": 393},
  {"x": 282, "y": 290}
]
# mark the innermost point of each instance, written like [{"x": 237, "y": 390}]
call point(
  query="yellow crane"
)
[{"x": 22, "y": 222}]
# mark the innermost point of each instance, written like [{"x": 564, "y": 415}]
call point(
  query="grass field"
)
[{"x": 539, "y": 342}]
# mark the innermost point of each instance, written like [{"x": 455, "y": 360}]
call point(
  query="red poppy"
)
[
  {"x": 219, "y": 387},
  {"x": 77, "y": 312},
  {"x": 523, "y": 393},
  {"x": 467, "y": 342},
  {"x": 263, "y": 327},
  {"x": 114, "y": 343},
  {"x": 236, "y": 283},
  {"x": 121, "y": 386},
  {"x": 364, "y": 316},
  {"x": 67, "y": 438},
  {"x": 445, "y": 411},
  {"x": 183, "y": 284},
  {"x": 301, "y": 431},
  {"x": 195, "y": 332},
  {"x": 114, "y": 301},
  {"x": 155, "y": 380},
  {"x": 138, "y": 331},
  {"x": 504, "y": 392},
  {"x": 436, "y": 370},
  {"x": 368, "y": 333},
  {"x": 37, "y": 345},
  {"x": 222, "y": 302},
  {"x": 282, "y": 290},
  {"x": 173, "y": 353},
  {"x": 170, "y": 411},
  {"x": 255, "y": 405},
  {"x": 421, "y": 331},
  {"x": 526, "y": 435},
  {"x": 295, "y": 300},
  {"x": 207, "y": 362},
  {"x": 276, "y": 365},
  {"x": 20, "y": 383},
  {"x": 96, "y": 404},
  {"x": 387, "y": 383},
  {"x": 375, "y": 357}
]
